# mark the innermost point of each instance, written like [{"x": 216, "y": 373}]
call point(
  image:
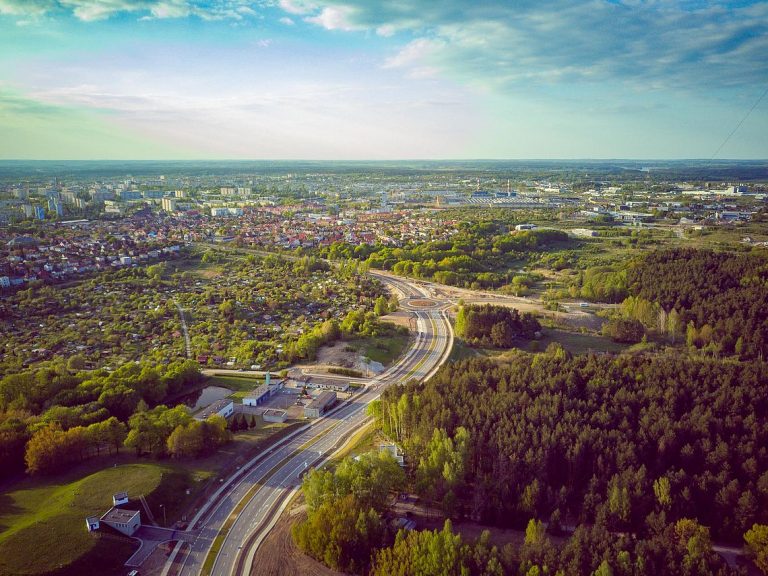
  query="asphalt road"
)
[{"x": 272, "y": 479}]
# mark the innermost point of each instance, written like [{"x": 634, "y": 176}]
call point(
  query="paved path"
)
[
  {"x": 187, "y": 341},
  {"x": 152, "y": 536}
]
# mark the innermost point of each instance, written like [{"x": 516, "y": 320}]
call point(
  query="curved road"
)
[{"x": 252, "y": 501}]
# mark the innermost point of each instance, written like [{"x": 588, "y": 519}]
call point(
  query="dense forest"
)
[
  {"x": 623, "y": 443},
  {"x": 719, "y": 299},
  {"x": 642, "y": 460},
  {"x": 498, "y": 326}
]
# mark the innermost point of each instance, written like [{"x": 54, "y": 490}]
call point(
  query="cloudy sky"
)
[{"x": 397, "y": 79}]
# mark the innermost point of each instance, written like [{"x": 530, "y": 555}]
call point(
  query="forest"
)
[
  {"x": 720, "y": 299},
  {"x": 498, "y": 326},
  {"x": 56, "y": 415},
  {"x": 643, "y": 445},
  {"x": 593, "y": 439}
]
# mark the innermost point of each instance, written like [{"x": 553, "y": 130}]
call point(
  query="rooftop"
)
[
  {"x": 120, "y": 515},
  {"x": 258, "y": 392},
  {"x": 322, "y": 399},
  {"x": 214, "y": 408}
]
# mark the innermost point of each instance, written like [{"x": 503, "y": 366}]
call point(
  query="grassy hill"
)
[{"x": 42, "y": 521}]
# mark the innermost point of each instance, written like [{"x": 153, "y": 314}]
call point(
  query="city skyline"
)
[{"x": 237, "y": 79}]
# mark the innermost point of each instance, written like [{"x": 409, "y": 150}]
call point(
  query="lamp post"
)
[{"x": 165, "y": 522}]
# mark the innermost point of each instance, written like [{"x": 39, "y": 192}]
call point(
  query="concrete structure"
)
[
  {"x": 272, "y": 415},
  {"x": 520, "y": 227},
  {"x": 319, "y": 405},
  {"x": 224, "y": 407},
  {"x": 92, "y": 522},
  {"x": 583, "y": 232},
  {"x": 169, "y": 204},
  {"x": 394, "y": 451},
  {"x": 5, "y": 282},
  {"x": 39, "y": 212},
  {"x": 124, "y": 521},
  {"x": 120, "y": 498}
]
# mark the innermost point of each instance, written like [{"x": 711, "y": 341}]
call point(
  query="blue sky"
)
[{"x": 306, "y": 79}]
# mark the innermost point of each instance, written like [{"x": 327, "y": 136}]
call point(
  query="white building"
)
[
  {"x": 124, "y": 521},
  {"x": 224, "y": 407},
  {"x": 169, "y": 204}
]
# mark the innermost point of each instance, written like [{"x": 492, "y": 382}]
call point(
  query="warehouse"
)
[{"x": 319, "y": 405}]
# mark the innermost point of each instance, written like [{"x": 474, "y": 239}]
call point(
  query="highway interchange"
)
[{"x": 250, "y": 503}]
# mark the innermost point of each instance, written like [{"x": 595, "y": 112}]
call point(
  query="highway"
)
[{"x": 247, "y": 506}]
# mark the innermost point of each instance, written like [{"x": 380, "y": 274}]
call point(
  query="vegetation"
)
[
  {"x": 483, "y": 254},
  {"x": 51, "y": 417},
  {"x": 344, "y": 521},
  {"x": 250, "y": 309},
  {"x": 719, "y": 299},
  {"x": 437, "y": 553},
  {"x": 605, "y": 429},
  {"x": 498, "y": 326}
]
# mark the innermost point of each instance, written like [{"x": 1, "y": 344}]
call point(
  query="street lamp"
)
[{"x": 165, "y": 522}]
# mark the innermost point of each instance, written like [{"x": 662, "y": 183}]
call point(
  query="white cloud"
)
[
  {"x": 333, "y": 18},
  {"x": 94, "y": 10},
  {"x": 386, "y": 30},
  {"x": 298, "y": 7},
  {"x": 287, "y": 21},
  {"x": 496, "y": 42},
  {"x": 31, "y": 8},
  {"x": 414, "y": 54}
]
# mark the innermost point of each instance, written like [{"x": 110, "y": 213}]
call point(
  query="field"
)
[
  {"x": 42, "y": 521},
  {"x": 235, "y": 383},
  {"x": 385, "y": 349},
  {"x": 573, "y": 342}
]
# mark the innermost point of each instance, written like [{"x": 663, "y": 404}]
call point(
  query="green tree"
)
[{"x": 756, "y": 540}]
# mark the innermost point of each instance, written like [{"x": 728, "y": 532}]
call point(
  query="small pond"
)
[{"x": 205, "y": 397}]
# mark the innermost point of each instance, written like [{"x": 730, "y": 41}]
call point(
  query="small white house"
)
[
  {"x": 92, "y": 522},
  {"x": 120, "y": 498}
]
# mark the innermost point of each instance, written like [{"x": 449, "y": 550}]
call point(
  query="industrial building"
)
[
  {"x": 224, "y": 407},
  {"x": 320, "y": 404},
  {"x": 257, "y": 396}
]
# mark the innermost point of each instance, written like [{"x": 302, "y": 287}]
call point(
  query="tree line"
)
[{"x": 52, "y": 416}]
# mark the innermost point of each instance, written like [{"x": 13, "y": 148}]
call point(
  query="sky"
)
[{"x": 396, "y": 79}]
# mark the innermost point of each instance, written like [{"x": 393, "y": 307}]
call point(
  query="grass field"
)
[
  {"x": 573, "y": 342},
  {"x": 385, "y": 349},
  {"x": 42, "y": 521},
  {"x": 242, "y": 383}
]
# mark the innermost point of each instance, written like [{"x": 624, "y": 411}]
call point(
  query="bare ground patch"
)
[{"x": 279, "y": 556}]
